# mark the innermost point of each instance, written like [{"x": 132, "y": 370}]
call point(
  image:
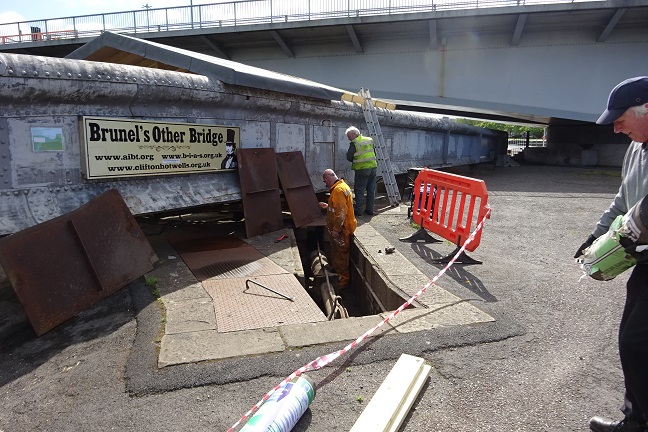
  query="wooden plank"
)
[
  {"x": 395, "y": 396},
  {"x": 351, "y": 97}
]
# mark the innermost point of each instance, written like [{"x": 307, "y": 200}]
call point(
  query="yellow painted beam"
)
[{"x": 352, "y": 97}]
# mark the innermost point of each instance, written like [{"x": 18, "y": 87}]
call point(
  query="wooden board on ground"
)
[{"x": 395, "y": 396}]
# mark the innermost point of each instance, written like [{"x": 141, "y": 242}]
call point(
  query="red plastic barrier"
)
[{"x": 445, "y": 204}]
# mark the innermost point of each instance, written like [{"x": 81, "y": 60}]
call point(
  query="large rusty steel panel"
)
[
  {"x": 222, "y": 257},
  {"x": 259, "y": 191},
  {"x": 298, "y": 188},
  {"x": 63, "y": 266}
]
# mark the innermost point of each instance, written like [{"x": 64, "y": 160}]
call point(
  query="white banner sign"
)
[{"x": 125, "y": 147}]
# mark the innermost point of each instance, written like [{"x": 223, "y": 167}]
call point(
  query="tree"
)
[{"x": 512, "y": 129}]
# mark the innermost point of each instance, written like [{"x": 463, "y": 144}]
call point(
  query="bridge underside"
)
[{"x": 545, "y": 64}]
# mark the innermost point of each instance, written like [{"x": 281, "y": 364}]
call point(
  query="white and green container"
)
[
  {"x": 284, "y": 408},
  {"x": 606, "y": 258}
]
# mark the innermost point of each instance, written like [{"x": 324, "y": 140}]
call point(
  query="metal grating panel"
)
[
  {"x": 244, "y": 308},
  {"x": 259, "y": 191},
  {"x": 224, "y": 264},
  {"x": 298, "y": 188},
  {"x": 63, "y": 266}
]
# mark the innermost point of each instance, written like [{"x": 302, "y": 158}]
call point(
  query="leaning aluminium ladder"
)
[{"x": 382, "y": 155}]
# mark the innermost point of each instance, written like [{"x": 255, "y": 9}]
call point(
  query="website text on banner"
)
[{"x": 447, "y": 207}]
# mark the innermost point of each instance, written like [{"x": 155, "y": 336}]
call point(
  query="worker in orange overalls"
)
[{"x": 340, "y": 223}]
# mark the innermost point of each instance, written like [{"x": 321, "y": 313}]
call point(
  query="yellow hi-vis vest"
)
[{"x": 364, "y": 156}]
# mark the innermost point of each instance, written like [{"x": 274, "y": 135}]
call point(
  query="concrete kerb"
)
[{"x": 399, "y": 272}]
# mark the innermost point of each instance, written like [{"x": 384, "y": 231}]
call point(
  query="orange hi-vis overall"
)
[{"x": 341, "y": 223}]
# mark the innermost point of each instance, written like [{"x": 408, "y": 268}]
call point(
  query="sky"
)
[{"x": 26, "y": 10}]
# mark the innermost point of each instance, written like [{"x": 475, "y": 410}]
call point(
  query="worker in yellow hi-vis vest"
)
[
  {"x": 340, "y": 223},
  {"x": 362, "y": 156}
]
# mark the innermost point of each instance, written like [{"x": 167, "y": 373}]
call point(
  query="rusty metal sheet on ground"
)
[
  {"x": 298, "y": 188},
  {"x": 63, "y": 266},
  {"x": 221, "y": 257},
  {"x": 259, "y": 191},
  {"x": 241, "y": 306}
]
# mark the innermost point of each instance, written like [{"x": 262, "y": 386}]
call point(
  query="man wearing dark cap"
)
[{"x": 627, "y": 109}]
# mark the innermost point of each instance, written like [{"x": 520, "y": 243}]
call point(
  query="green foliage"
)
[
  {"x": 513, "y": 130},
  {"x": 359, "y": 399},
  {"x": 151, "y": 281}
]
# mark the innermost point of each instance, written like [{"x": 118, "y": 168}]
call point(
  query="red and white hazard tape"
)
[{"x": 324, "y": 360}]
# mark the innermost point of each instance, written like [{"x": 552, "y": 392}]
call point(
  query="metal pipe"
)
[
  {"x": 332, "y": 302},
  {"x": 328, "y": 297},
  {"x": 318, "y": 263}
]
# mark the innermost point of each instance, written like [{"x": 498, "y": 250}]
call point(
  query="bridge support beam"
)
[
  {"x": 611, "y": 24},
  {"x": 277, "y": 37},
  {"x": 517, "y": 34},
  {"x": 217, "y": 49},
  {"x": 432, "y": 26},
  {"x": 354, "y": 39}
]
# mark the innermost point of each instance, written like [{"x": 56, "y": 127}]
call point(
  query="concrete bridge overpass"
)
[{"x": 534, "y": 62}]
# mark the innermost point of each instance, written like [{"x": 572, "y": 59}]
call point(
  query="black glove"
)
[
  {"x": 585, "y": 245},
  {"x": 629, "y": 247},
  {"x": 640, "y": 256}
]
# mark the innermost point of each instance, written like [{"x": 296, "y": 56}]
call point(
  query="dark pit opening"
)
[{"x": 370, "y": 292}]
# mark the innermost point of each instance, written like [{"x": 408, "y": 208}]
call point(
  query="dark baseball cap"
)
[{"x": 629, "y": 93}]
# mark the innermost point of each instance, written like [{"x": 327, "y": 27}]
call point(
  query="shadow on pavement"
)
[
  {"x": 23, "y": 352},
  {"x": 457, "y": 272}
]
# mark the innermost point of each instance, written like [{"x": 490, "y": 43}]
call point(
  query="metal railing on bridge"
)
[
  {"x": 230, "y": 14},
  {"x": 517, "y": 145}
]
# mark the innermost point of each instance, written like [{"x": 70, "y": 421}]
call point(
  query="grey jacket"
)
[{"x": 634, "y": 186}]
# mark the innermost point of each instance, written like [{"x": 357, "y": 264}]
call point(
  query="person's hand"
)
[
  {"x": 585, "y": 245},
  {"x": 323, "y": 205},
  {"x": 640, "y": 256},
  {"x": 630, "y": 248}
]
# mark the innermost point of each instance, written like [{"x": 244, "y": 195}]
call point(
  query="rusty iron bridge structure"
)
[{"x": 59, "y": 118}]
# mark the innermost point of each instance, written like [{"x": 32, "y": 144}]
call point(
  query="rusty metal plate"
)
[
  {"x": 298, "y": 188},
  {"x": 259, "y": 191},
  {"x": 222, "y": 257},
  {"x": 241, "y": 306},
  {"x": 201, "y": 239},
  {"x": 65, "y": 265},
  {"x": 228, "y": 263}
]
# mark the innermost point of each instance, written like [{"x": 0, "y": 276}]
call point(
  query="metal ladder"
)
[{"x": 382, "y": 156}]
